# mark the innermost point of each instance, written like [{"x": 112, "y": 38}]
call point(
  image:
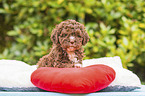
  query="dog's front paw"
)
[{"x": 78, "y": 65}]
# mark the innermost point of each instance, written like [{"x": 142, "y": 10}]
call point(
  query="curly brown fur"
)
[{"x": 68, "y": 38}]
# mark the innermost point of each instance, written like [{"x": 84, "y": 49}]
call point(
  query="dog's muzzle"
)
[{"x": 71, "y": 47}]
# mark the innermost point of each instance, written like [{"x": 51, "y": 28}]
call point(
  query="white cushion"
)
[{"x": 15, "y": 74}]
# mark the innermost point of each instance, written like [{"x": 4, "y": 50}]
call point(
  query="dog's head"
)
[{"x": 70, "y": 35}]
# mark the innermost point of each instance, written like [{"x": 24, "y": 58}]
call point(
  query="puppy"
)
[{"x": 68, "y": 38}]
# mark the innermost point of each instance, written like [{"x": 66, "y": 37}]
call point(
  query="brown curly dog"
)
[{"x": 67, "y": 52}]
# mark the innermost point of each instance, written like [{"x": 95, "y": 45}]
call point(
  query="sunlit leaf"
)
[
  {"x": 2, "y": 11},
  {"x": 125, "y": 41},
  {"x": 59, "y": 1}
]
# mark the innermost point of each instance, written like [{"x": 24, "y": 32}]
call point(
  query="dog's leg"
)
[
  {"x": 78, "y": 65},
  {"x": 73, "y": 57}
]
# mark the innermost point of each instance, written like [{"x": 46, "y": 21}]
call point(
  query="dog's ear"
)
[
  {"x": 85, "y": 38},
  {"x": 54, "y": 36}
]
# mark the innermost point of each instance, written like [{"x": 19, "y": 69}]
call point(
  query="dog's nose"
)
[
  {"x": 71, "y": 42},
  {"x": 72, "y": 39}
]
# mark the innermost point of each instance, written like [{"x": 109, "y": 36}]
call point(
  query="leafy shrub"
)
[{"x": 116, "y": 28}]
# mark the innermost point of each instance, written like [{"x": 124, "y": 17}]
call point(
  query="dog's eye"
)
[
  {"x": 79, "y": 36},
  {"x": 64, "y": 35}
]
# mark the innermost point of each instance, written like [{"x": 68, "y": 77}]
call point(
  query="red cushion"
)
[{"x": 73, "y": 80}]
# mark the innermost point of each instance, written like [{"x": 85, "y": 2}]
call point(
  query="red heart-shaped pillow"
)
[{"x": 73, "y": 80}]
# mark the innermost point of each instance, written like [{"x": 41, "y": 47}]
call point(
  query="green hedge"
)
[{"x": 115, "y": 27}]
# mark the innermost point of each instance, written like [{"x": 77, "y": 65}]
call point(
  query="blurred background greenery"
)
[{"x": 115, "y": 27}]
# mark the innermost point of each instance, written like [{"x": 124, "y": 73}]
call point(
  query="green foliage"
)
[{"x": 116, "y": 28}]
